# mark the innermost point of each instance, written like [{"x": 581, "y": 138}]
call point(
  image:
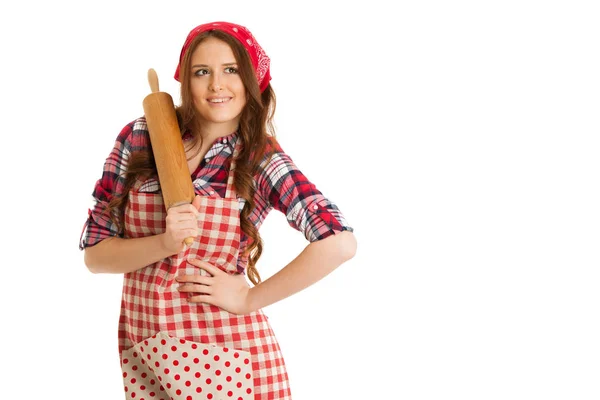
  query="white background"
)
[{"x": 460, "y": 139}]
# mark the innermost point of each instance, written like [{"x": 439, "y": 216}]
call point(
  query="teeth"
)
[{"x": 217, "y": 100}]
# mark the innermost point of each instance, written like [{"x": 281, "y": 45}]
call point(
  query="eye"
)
[
  {"x": 201, "y": 72},
  {"x": 231, "y": 70}
]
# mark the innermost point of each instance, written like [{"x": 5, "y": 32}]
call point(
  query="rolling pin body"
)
[{"x": 167, "y": 146}]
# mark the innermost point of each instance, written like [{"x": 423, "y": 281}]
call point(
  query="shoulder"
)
[
  {"x": 134, "y": 136},
  {"x": 274, "y": 155}
]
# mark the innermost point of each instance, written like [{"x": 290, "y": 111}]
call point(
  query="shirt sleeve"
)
[
  {"x": 286, "y": 189},
  {"x": 99, "y": 225}
]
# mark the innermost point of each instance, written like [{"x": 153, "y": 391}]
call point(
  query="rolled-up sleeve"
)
[
  {"x": 99, "y": 225},
  {"x": 287, "y": 190}
]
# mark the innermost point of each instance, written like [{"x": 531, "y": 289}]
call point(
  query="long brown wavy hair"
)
[{"x": 256, "y": 132}]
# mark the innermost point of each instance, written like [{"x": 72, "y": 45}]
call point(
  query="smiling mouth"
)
[{"x": 220, "y": 100}]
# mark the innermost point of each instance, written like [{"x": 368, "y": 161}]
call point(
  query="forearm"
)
[
  {"x": 315, "y": 262},
  {"x": 117, "y": 256}
]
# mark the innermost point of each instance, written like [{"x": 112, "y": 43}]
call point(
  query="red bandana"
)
[{"x": 260, "y": 60}]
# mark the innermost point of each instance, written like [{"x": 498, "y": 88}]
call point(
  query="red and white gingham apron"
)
[{"x": 173, "y": 349}]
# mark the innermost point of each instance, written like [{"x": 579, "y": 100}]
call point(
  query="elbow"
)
[
  {"x": 90, "y": 261},
  {"x": 347, "y": 246}
]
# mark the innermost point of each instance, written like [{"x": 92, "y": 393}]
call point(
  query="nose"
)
[{"x": 215, "y": 83}]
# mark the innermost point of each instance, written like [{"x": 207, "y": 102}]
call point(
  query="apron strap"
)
[{"x": 230, "y": 193}]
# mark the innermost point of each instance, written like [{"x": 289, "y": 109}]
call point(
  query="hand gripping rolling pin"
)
[{"x": 167, "y": 146}]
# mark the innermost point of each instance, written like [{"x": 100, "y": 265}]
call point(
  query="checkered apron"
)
[{"x": 173, "y": 349}]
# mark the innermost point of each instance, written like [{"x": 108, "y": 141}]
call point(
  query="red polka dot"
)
[
  {"x": 239, "y": 384},
  {"x": 225, "y": 349},
  {"x": 208, "y": 381},
  {"x": 155, "y": 349},
  {"x": 168, "y": 385},
  {"x": 141, "y": 349},
  {"x": 194, "y": 346},
  {"x": 135, "y": 354},
  {"x": 164, "y": 356},
  {"x": 157, "y": 364},
  {"x": 247, "y": 376},
  {"x": 219, "y": 387},
  {"x": 175, "y": 362},
  {"x": 144, "y": 374},
  {"x": 187, "y": 368},
  {"x": 163, "y": 342},
  {"x": 246, "y": 361},
  {"x": 188, "y": 383},
  {"x": 188, "y": 398},
  {"x": 196, "y": 360},
  {"x": 178, "y": 391},
  {"x": 184, "y": 354},
  {"x": 133, "y": 380},
  {"x": 238, "y": 370},
  {"x": 152, "y": 394},
  {"x": 209, "y": 396},
  {"x": 134, "y": 368},
  {"x": 152, "y": 381},
  {"x": 143, "y": 387},
  {"x": 197, "y": 374},
  {"x": 217, "y": 358},
  {"x": 236, "y": 354},
  {"x": 166, "y": 371},
  {"x": 248, "y": 390},
  {"x": 124, "y": 374},
  {"x": 205, "y": 352},
  {"x": 173, "y": 348},
  {"x": 207, "y": 366},
  {"x": 228, "y": 379},
  {"x": 217, "y": 372},
  {"x": 148, "y": 356},
  {"x": 182, "y": 341},
  {"x": 230, "y": 393},
  {"x": 227, "y": 363},
  {"x": 125, "y": 361},
  {"x": 126, "y": 389},
  {"x": 132, "y": 395},
  {"x": 177, "y": 377},
  {"x": 146, "y": 342},
  {"x": 198, "y": 389}
]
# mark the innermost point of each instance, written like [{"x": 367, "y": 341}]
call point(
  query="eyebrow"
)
[{"x": 204, "y": 65}]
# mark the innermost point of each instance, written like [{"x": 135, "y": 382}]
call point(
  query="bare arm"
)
[
  {"x": 117, "y": 255},
  {"x": 315, "y": 262},
  {"x": 232, "y": 293}
]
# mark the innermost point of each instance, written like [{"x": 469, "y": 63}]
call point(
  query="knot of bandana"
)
[{"x": 260, "y": 60}]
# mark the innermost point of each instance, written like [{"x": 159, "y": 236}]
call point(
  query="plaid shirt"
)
[{"x": 279, "y": 184}]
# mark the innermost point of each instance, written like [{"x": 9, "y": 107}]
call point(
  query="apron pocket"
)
[{"x": 182, "y": 367}]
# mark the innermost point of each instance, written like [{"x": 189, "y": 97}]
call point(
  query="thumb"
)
[{"x": 196, "y": 202}]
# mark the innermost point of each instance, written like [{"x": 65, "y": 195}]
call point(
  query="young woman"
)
[{"x": 191, "y": 326}]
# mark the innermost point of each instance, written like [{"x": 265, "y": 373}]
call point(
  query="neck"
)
[{"x": 212, "y": 131}]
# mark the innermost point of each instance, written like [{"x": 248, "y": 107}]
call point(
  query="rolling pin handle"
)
[{"x": 153, "y": 80}]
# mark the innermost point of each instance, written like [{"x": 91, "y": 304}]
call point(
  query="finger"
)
[
  {"x": 199, "y": 279},
  {"x": 196, "y": 202},
  {"x": 202, "y": 298},
  {"x": 211, "y": 269},
  {"x": 194, "y": 288}
]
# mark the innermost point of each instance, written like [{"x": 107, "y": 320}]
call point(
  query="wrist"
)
[{"x": 251, "y": 300}]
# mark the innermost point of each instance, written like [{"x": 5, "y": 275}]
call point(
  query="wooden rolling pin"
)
[{"x": 167, "y": 146}]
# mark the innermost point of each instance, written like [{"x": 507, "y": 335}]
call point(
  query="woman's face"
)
[{"x": 217, "y": 89}]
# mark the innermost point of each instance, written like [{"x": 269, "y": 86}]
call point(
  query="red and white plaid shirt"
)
[{"x": 280, "y": 185}]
